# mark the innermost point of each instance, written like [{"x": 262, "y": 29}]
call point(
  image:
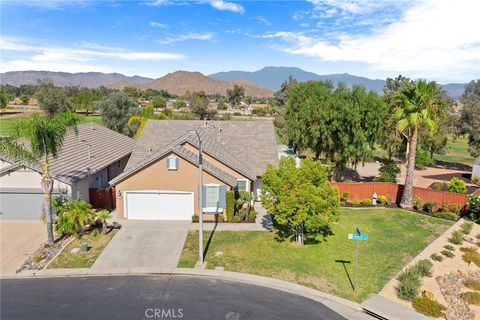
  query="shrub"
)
[
  {"x": 466, "y": 227},
  {"x": 471, "y": 298},
  {"x": 428, "y": 306},
  {"x": 382, "y": 199},
  {"x": 355, "y": 202},
  {"x": 230, "y": 204},
  {"x": 366, "y": 202},
  {"x": 446, "y": 215},
  {"x": 476, "y": 179},
  {"x": 408, "y": 284},
  {"x": 436, "y": 257},
  {"x": 195, "y": 218},
  {"x": 73, "y": 217},
  {"x": 388, "y": 171},
  {"x": 418, "y": 203},
  {"x": 454, "y": 207},
  {"x": 449, "y": 247},
  {"x": 344, "y": 197},
  {"x": 429, "y": 206},
  {"x": 474, "y": 208},
  {"x": 423, "y": 268},
  {"x": 468, "y": 249},
  {"x": 439, "y": 186},
  {"x": 457, "y": 237},
  {"x": 236, "y": 113},
  {"x": 457, "y": 185},
  {"x": 37, "y": 257},
  {"x": 422, "y": 160},
  {"x": 470, "y": 256},
  {"x": 473, "y": 284},
  {"x": 448, "y": 253}
]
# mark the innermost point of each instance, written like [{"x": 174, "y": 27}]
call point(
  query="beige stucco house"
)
[
  {"x": 161, "y": 179},
  {"x": 87, "y": 160}
]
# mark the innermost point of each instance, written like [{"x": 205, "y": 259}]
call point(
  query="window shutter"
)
[
  {"x": 168, "y": 162},
  {"x": 221, "y": 196},
  {"x": 204, "y": 196},
  {"x": 177, "y": 161}
]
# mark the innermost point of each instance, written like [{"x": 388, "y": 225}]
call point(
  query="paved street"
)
[
  {"x": 151, "y": 297},
  {"x": 145, "y": 243}
]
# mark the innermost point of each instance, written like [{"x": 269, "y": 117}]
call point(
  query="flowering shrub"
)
[{"x": 474, "y": 207}]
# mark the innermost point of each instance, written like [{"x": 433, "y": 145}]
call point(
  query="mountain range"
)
[{"x": 260, "y": 83}]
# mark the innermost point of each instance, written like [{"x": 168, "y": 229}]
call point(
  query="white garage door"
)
[{"x": 159, "y": 205}]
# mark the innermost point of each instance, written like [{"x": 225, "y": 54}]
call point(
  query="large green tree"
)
[
  {"x": 235, "y": 95},
  {"x": 199, "y": 103},
  {"x": 52, "y": 100},
  {"x": 115, "y": 110},
  {"x": 470, "y": 116},
  {"x": 44, "y": 136},
  {"x": 419, "y": 105},
  {"x": 302, "y": 202},
  {"x": 85, "y": 100}
]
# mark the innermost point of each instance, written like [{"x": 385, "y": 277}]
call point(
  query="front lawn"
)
[
  {"x": 395, "y": 237},
  {"x": 97, "y": 242}
]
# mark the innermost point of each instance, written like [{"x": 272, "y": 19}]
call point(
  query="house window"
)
[
  {"x": 211, "y": 196},
  {"x": 242, "y": 185},
  {"x": 172, "y": 163}
]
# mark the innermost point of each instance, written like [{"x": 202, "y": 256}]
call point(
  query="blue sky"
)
[{"x": 434, "y": 39}]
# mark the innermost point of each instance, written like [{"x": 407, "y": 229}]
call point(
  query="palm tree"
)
[
  {"x": 33, "y": 142},
  {"x": 103, "y": 215},
  {"x": 419, "y": 105}
]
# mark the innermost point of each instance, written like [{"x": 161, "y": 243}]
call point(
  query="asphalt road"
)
[{"x": 151, "y": 297}]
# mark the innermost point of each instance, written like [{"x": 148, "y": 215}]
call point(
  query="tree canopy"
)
[
  {"x": 52, "y": 100},
  {"x": 235, "y": 95},
  {"x": 116, "y": 109},
  {"x": 470, "y": 116}
]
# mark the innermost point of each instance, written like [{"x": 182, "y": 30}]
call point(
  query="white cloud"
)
[
  {"x": 83, "y": 57},
  {"x": 158, "y": 25},
  {"x": 228, "y": 6},
  {"x": 208, "y": 36},
  {"x": 434, "y": 39},
  {"x": 263, "y": 20},
  {"x": 158, "y": 3}
]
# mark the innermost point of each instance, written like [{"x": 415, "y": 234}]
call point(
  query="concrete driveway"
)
[
  {"x": 19, "y": 239},
  {"x": 145, "y": 244}
]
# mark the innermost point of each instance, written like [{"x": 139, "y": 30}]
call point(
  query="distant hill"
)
[
  {"x": 273, "y": 77},
  {"x": 180, "y": 82},
  {"x": 61, "y": 79}
]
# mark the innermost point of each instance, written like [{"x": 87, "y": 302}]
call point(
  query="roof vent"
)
[{"x": 150, "y": 151}]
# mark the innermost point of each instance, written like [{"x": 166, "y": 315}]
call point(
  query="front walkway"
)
[{"x": 145, "y": 244}]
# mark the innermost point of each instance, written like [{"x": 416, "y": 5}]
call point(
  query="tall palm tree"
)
[
  {"x": 33, "y": 142},
  {"x": 419, "y": 105}
]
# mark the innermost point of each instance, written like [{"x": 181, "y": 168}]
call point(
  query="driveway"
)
[
  {"x": 19, "y": 239},
  {"x": 145, "y": 244}
]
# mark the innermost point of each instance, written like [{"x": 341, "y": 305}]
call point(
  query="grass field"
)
[
  {"x": 6, "y": 124},
  {"x": 395, "y": 237}
]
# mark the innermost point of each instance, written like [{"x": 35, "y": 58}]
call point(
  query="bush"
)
[
  {"x": 408, "y": 284},
  {"x": 476, "y": 179},
  {"x": 230, "y": 204},
  {"x": 474, "y": 208},
  {"x": 449, "y": 247},
  {"x": 344, "y": 197},
  {"x": 355, "y": 202},
  {"x": 468, "y": 249},
  {"x": 388, "y": 171},
  {"x": 423, "y": 268},
  {"x": 454, "y": 207},
  {"x": 428, "y": 306},
  {"x": 195, "y": 218},
  {"x": 37, "y": 257},
  {"x": 446, "y": 215},
  {"x": 457, "y": 185},
  {"x": 236, "y": 113},
  {"x": 439, "y": 186},
  {"x": 382, "y": 199},
  {"x": 448, "y": 253},
  {"x": 471, "y": 298},
  {"x": 73, "y": 217},
  {"x": 429, "y": 206},
  {"x": 422, "y": 160},
  {"x": 418, "y": 203},
  {"x": 436, "y": 257},
  {"x": 366, "y": 202},
  {"x": 473, "y": 284},
  {"x": 466, "y": 227},
  {"x": 470, "y": 256},
  {"x": 457, "y": 237}
]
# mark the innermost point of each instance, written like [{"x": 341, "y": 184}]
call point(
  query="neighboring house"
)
[
  {"x": 87, "y": 160},
  {"x": 476, "y": 168},
  {"x": 161, "y": 180},
  {"x": 285, "y": 151}
]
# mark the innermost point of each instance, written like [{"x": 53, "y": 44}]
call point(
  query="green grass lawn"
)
[
  {"x": 97, "y": 240},
  {"x": 395, "y": 237},
  {"x": 6, "y": 124}
]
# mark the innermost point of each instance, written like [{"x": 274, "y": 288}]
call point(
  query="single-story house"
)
[
  {"x": 476, "y": 168},
  {"x": 161, "y": 180},
  {"x": 89, "y": 159}
]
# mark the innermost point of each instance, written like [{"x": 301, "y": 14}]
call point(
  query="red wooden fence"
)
[
  {"x": 103, "y": 198},
  {"x": 364, "y": 190}
]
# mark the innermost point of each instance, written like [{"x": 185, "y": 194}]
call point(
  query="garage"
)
[
  {"x": 159, "y": 205},
  {"x": 21, "y": 203}
]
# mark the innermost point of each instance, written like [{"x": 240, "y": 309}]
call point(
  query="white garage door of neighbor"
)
[{"x": 159, "y": 205}]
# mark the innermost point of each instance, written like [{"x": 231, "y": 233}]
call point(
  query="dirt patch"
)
[{"x": 316, "y": 282}]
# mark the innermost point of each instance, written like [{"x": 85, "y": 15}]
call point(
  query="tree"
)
[
  {"x": 301, "y": 200},
  {"x": 249, "y": 100},
  {"x": 221, "y": 105},
  {"x": 3, "y": 100},
  {"x": 115, "y": 110},
  {"x": 132, "y": 92},
  {"x": 45, "y": 136},
  {"x": 470, "y": 116},
  {"x": 85, "y": 100},
  {"x": 103, "y": 215},
  {"x": 179, "y": 104},
  {"x": 52, "y": 100},
  {"x": 235, "y": 95},
  {"x": 281, "y": 96},
  {"x": 199, "y": 103},
  {"x": 25, "y": 99},
  {"x": 159, "y": 102},
  {"x": 388, "y": 171},
  {"x": 419, "y": 104}
]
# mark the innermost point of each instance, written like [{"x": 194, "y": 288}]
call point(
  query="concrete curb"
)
[{"x": 348, "y": 309}]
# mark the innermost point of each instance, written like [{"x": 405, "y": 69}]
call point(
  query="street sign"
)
[{"x": 356, "y": 236}]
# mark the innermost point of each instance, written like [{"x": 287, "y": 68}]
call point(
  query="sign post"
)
[{"x": 356, "y": 236}]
